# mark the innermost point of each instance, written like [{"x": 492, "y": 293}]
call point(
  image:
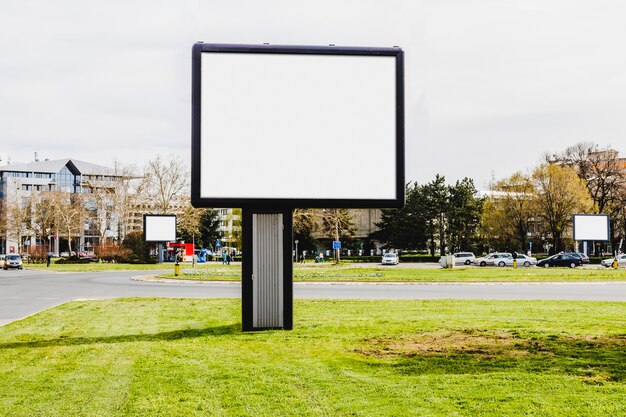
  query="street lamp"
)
[{"x": 296, "y": 250}]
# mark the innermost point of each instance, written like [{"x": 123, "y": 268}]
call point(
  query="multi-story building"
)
[{"x": 22, "y": 184}]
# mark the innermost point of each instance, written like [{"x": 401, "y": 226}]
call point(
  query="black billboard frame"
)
[{"x": 284, "y": 203}]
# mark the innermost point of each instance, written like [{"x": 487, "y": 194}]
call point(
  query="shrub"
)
[
  {"x": 139, "y": 252},
  {"x": 112, "y": 253},
  {"x": 72, "y": 260}
]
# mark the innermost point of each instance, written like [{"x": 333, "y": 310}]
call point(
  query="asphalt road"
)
[{"x": 26, "y": 292}]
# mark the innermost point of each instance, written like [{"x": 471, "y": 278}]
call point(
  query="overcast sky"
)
[{"x": 491, "y": 85}]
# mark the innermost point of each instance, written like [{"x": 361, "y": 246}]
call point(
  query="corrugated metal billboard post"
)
[{"x": 267, "y": 269}]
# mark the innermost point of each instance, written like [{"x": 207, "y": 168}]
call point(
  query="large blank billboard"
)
[
  {"x": 297, "y": 126},
  {"x": 591, "y": 227},
  {"x": 159, "y": 227}
]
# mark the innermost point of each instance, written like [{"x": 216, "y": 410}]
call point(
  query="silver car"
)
[
  {"x": 12, "y": 261},
  {"x": 463, "y": 258},
  {"x": 494, "y": 259},
  {"x": 522, "y": 260},
  {"x": 621, "y": 261},
  {"x": 390, "y": 258}
]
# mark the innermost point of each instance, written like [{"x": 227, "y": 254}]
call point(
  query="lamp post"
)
[{"x": 296, "y": 250}]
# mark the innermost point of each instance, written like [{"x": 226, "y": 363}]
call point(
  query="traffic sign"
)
[
  {"x": 218, "y": 243},
  {"x": 336, "y": 244}
]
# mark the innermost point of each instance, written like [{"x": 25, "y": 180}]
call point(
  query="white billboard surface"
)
[
  {"x": 591, "y": 227},
  {"x": 298, "y": 126},
  {"x": 160, "y": 228}
]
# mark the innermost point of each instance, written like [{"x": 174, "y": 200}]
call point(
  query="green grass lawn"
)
[
  {"x": 99, "y": 266},
  {"x": 355, "y": 272},
  {"x": 155, "y": 357},
  {"x": 350, "y": 272}
]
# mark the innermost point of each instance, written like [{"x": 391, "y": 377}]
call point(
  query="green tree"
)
[
  {"x": 140, "y": 252},
  {"x": 209, "y": 228},
  {"x": 509, "y": 212},
  {"x": 405, "y": 227},
  {"x": 436, "y": 197},
  {"x": 463, "y": 215},
  {"x": 559, "y": 194}
]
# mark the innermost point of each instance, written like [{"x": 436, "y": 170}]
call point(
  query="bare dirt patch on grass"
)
[{"x": 487, "y": 344}]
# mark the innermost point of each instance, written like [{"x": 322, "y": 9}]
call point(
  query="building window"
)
[
  {"x": 68, "y": 181},
  {"x": 26, "y": 187}
]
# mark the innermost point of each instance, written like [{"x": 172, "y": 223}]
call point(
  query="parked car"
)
[
  {"x": 582, "y": 256},
  {"x": 463, "y": 258},
  {"x": 621, "y": 261},
  {"x": 522, "y": 260},
  {"x": 561, "y": 259},
  {"x": 493, "y": 259},
  {"x": 390, "y": 258},
  {"x": 12, "y": 261}
]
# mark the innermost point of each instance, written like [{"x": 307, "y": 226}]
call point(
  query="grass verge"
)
[
  {"x": 138, "y": 357},
  {"x": 354, "y": 272}
]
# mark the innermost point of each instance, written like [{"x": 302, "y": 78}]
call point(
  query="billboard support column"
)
[{"x": 267, "y": 269}]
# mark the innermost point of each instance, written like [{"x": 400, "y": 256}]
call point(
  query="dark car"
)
[
  {"x": 561, "y": 259},
  {"x": 582, "y": 256}
]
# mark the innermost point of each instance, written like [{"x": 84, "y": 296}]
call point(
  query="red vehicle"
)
[{"x": 186, "y": 250}]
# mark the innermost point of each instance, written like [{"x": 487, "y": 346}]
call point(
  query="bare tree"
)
[
  {"x": 601, "y": 169},
  {"x": 164, "y": 179},
  {"x": 69, "y": 210},
  {"x": 18, "y": 216},
  {"x": 3, "y": 221},
  {"x": 335, "y": 224},
  {"x": 43, "y": 222},
  {"x": 127, "y": 185},
  {"x": 188, "y": 223}
]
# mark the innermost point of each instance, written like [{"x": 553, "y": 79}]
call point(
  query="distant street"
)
[{"x": 26, "y": 292}]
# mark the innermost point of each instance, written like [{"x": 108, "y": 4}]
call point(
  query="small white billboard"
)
[
  {"x": 159, "y": 227},
  {"x": 591, "y": 227}
]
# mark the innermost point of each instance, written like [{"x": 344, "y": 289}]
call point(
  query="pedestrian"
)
[
  {"x": 224, "y": 257},
  {"x": 48, "y": 259}
]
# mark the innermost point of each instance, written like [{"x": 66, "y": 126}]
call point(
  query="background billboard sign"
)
[
  {"x": 591, "y": 227},
  {"x": 297, "y": 126},
  {"x": 159, "y": 227}
]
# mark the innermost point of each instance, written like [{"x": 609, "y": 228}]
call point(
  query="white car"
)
[
  {"x": 390, "y": 258},
  {"x": 463, "y": 258},
  {"x": 621, "y": 261},
  {"x": 522, "y": 260},
  {"x": 493, "y": 259}
]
